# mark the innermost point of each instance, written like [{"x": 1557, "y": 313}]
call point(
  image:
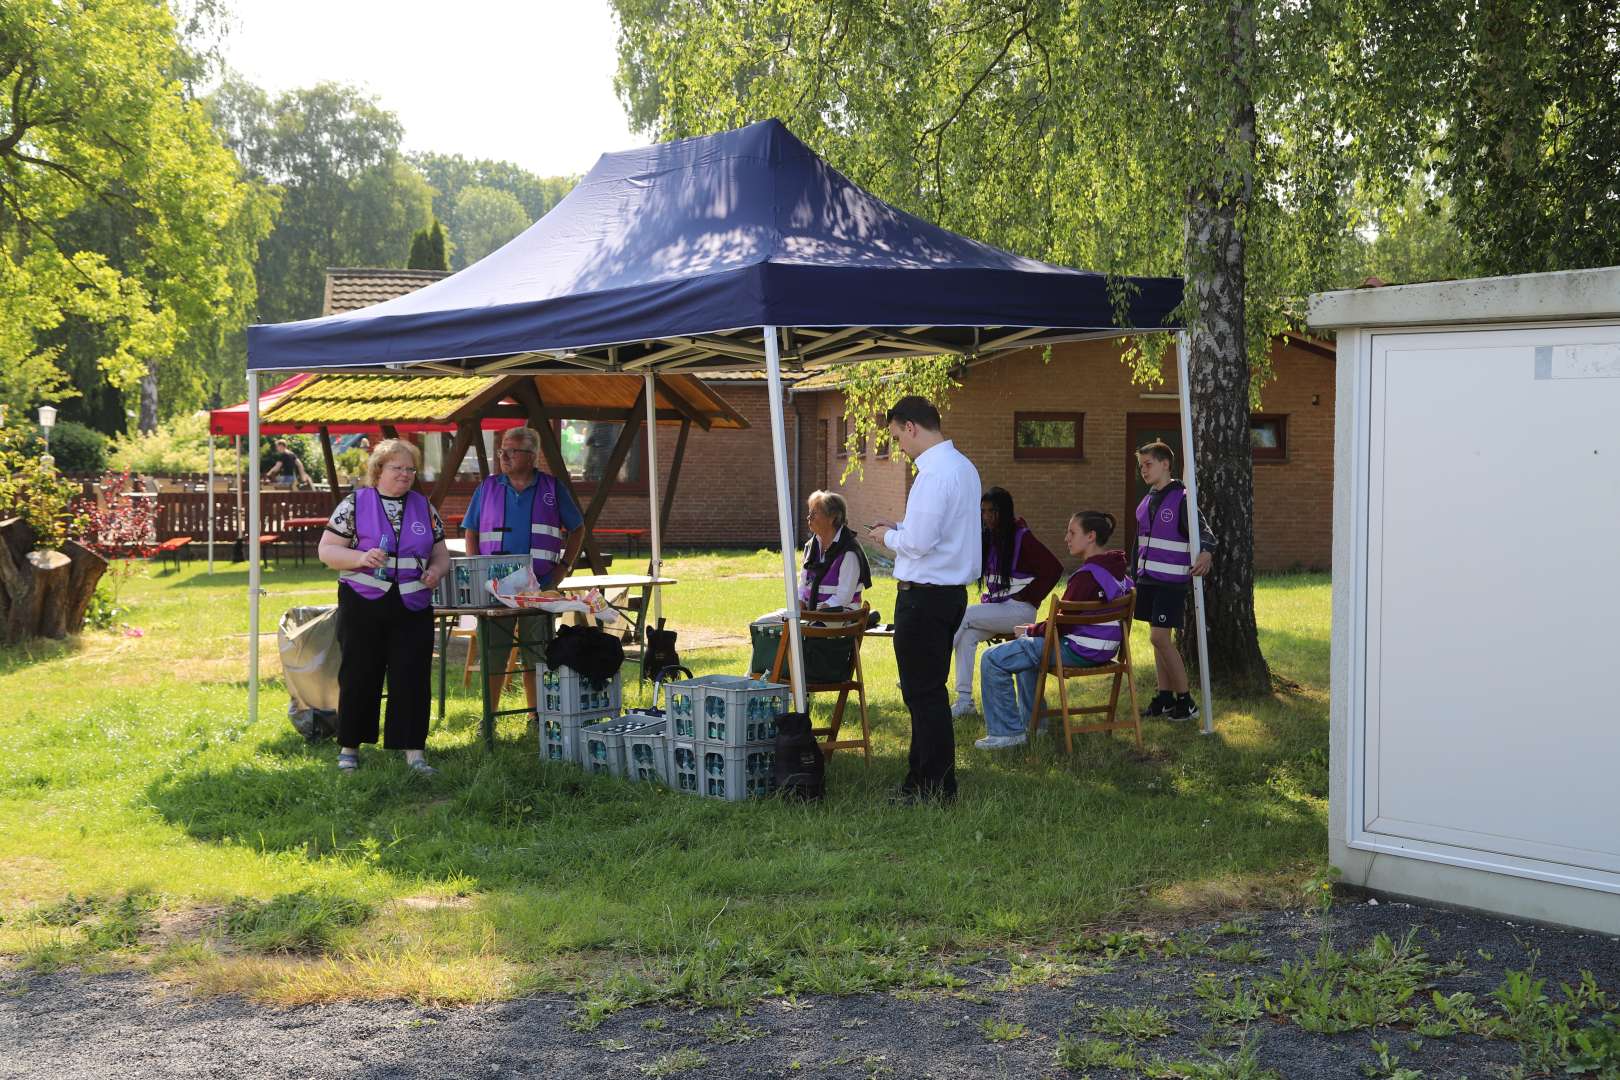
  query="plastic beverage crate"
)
[
  {"x": 738, "y": 774},
  {"x": 560, "y": 736},
  {"x": 602, "y": 745},
  {"x": 646, "y": 753},
  {"x": 564, "y": 691},
  {"x": 466, "y": 585},
  {"x": 726, "y": 710},
  {"x": 685, "y": 768}
]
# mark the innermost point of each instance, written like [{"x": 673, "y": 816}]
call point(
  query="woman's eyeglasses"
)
[{"x": 408, "y": 470}]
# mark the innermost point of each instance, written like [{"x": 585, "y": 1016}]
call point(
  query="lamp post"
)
[{"x": 47, "y": 420}]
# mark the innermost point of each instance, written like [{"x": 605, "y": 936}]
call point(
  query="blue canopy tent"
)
[{"x": 719, "y": 253}]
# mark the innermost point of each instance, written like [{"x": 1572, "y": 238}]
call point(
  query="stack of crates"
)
[
  {"x": 723, "y": 734},
  {"x": 567, "y": 703},
  {"x": 605, "y": 745}
]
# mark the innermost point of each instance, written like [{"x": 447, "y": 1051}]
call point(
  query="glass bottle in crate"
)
[
  {"x": 551, "y": 687},
  {"x": 554, "y": 740},
  {"x": 681, "y": 710}
]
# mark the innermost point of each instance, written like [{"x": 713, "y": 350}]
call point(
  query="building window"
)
[
  {"x": 1268, "y": 437},
  {"x": 586, "y": 447},
  {"x": 1048, "y": 435},
  {"x": 843, "y": 440}
]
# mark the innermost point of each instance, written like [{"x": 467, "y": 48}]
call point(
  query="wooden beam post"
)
[
  {"x": 674, "y": 478},
  {"x": 621, "y": 450},
  {"x": 331, "y": 464},
  {"x": 528, "y": 393},
  {"x": 483, "y": 452},
  {"x": 465, "y": 431}
]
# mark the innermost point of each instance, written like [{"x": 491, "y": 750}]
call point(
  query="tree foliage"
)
[
  {"x": 348, "y": 198},
  {"x": 1502, "y": 113},
  {"x": 485, "y": 219},
  {"x": 115, "y": 197},
  {"x": 450, "y": 173},
  {"x": 427, "y": 249}
]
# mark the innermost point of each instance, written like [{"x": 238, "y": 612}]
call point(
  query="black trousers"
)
[
  {"x": 383, "y": 639},
  {"x": 925, "y": 622}
]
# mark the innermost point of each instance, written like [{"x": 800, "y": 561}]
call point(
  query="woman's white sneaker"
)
[{"x": 962, "y": 707}]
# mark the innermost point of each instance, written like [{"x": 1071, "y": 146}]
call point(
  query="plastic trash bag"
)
[{"x": 310, "y": 657}]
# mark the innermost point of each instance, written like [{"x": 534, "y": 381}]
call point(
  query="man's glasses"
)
[{"x": 509, "y": 451}]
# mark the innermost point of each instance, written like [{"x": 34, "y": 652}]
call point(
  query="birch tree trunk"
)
[
  {"x": 148, "y": 421},
  {"x": 1219, "y": 375}
]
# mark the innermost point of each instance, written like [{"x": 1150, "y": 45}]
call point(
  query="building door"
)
[{"x": 1140, "y": 429}]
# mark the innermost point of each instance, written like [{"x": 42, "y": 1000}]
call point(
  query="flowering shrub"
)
[{"x": 121, "y": 526}]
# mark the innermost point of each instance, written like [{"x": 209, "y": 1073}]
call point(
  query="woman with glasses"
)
[
  {"x": 521, "y": 510},
  {"x": 387, "y": 543}
]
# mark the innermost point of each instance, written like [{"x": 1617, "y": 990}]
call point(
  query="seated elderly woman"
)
[{"x": 831, "y": 577}]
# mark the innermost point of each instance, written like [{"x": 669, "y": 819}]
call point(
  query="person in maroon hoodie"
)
[
  {"x": 1017, "y": 573},
  {"x": 1007, "y": 671}
]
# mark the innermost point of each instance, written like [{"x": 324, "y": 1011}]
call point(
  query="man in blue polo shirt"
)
[{"x": 535, "y": 515}]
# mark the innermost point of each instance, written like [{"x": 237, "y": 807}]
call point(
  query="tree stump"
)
[{"x": 43, "y": 593}]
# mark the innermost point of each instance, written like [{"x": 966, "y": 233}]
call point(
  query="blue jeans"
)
[{"x": 1007, "y": 682}]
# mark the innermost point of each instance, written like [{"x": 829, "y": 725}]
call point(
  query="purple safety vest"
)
[
  {"x": 1162, "y": 553},
  {"x": 829, "y": 584},
  {"x": 997, "y": 588},
  {"x": 546, "y": 534},
  {"x": 1099, "y": 642},
  {"x": 408, "y": 553}
]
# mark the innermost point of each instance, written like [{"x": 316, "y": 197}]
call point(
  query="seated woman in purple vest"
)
[
  {"x": 833, "y": 573},
  {"x": 387, "y": 543},
  {"x": 523, "y": 510},
  {"x": 1007, "y": 671},
  {"x": 1017, "y": 573}
]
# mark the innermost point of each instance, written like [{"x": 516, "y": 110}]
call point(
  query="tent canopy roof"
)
[
  {"x": 405, "y": 400},
  {"x": 673, "y": 256}
]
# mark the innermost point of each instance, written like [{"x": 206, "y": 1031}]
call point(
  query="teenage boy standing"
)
[
  {"x": 1164, "y": 568},
  {"x": 936, "y": 553}
]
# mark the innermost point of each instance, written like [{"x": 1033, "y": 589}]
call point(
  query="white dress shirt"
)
[{"x": 938, "y": 542}]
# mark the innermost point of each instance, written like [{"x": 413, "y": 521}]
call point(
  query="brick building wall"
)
[
  {"x": 1293, "y": 496},
  {"x": 727, "y": 491},
  {"x": 727, "y": 494}
]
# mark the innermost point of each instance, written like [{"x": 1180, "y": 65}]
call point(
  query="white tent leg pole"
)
[
  {"x": 784, "y": 516},
  {"x": 253, "y": 547},
  {"x": 236, "y": 485},
  {"x": 1184, "y": 387},
  {"x": 210, "y": 503},
  {"x": 657, "y": 567}
]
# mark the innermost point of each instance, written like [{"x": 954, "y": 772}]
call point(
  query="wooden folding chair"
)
[
  {"x": 833, "y": 626},
  {"x": 1062, "y": 617}
]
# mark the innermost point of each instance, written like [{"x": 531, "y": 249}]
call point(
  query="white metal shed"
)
[{"x": 1476, "y": 616}]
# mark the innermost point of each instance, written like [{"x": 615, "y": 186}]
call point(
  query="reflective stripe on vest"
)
[
  {"x": 1161, "y": 552},
  {"x": 1099, "y": 642},
  {"x": 546, "y": 535},
  {"x": 829, "y": 584},
  {"x": 408, "y": 553}
]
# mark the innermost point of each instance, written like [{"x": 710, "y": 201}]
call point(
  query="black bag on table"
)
[{"x": 800, "y": 767}]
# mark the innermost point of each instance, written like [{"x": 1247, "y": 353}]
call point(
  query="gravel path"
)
[{"x": 121, "y": 1025}]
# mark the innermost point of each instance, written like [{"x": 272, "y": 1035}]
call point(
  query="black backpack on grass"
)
[{"x": 800, "y": 766}]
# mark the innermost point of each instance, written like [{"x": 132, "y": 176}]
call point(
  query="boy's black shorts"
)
[{"x": 1158, "y": 604}]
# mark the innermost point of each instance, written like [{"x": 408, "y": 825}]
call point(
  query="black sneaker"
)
[
  {"x": 1182, "y": 709},
  {"x": 1161, "y": 704}
]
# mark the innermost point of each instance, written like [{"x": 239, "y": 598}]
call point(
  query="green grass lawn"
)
[{"x": 143, "y": 820}]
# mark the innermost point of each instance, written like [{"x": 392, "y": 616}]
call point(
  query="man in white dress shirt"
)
[{"x": 936, "y": 555}]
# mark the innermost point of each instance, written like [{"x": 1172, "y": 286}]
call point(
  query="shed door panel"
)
[{"x": 1494, "y": 597}]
